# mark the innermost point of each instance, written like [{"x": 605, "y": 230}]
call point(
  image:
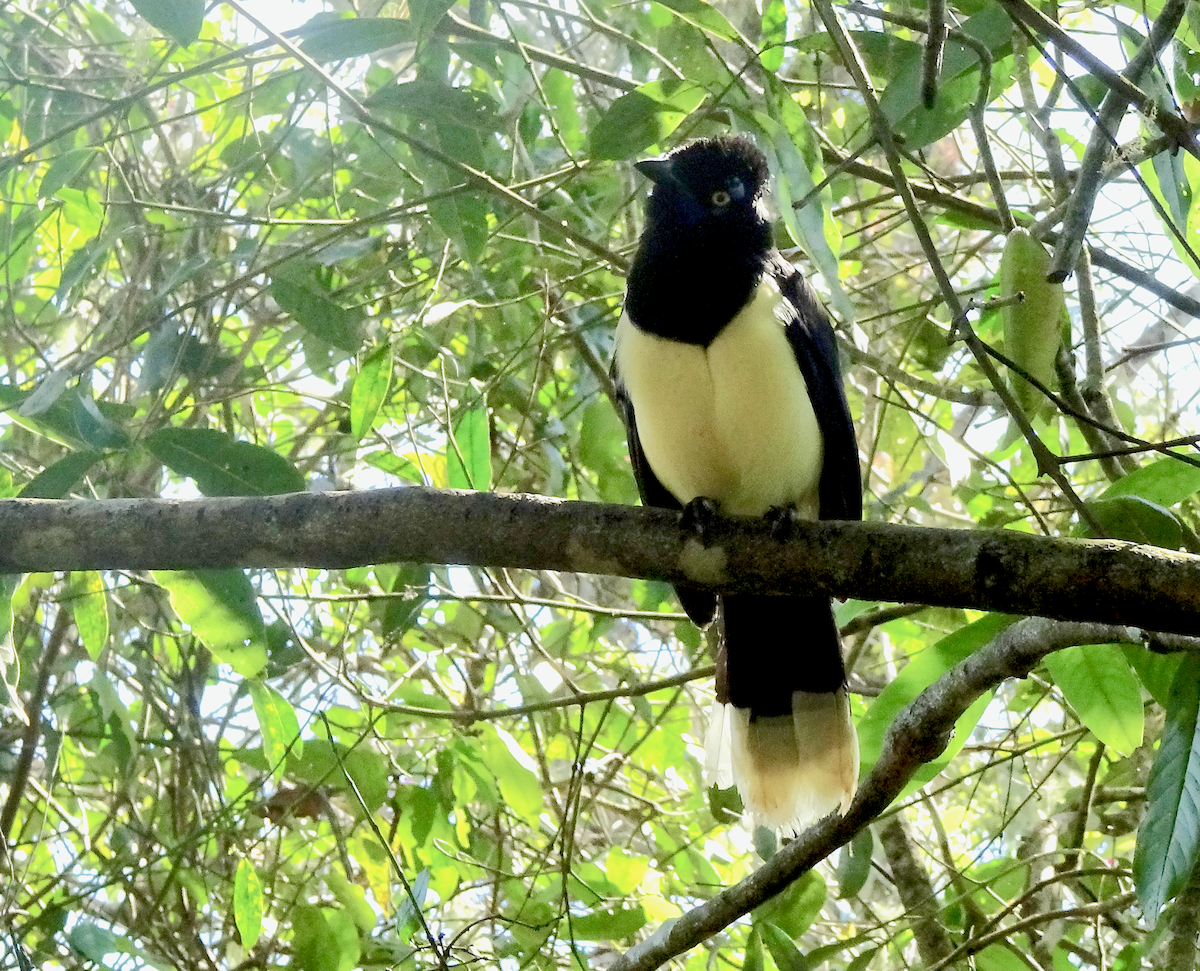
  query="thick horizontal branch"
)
[{"x": 1104, "y": 581}]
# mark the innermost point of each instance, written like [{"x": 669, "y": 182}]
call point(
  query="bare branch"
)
[
  {"x": 1098, "y": 580},
  {"x": 918, "y": 735}
]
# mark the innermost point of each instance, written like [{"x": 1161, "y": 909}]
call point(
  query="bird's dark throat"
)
[{"x": 688, "y": 291}]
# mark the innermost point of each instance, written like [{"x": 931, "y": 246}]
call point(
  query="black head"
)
[
  {"x": 711, "y": 181},
  {"x": 707, "y": 239}
]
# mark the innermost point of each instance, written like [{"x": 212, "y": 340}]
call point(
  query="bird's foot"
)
[
  {"x": 699, "y": 516},
  {"x": 782, "y": 520}
]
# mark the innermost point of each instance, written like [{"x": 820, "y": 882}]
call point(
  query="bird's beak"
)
[{"x": 657, "y": 170}]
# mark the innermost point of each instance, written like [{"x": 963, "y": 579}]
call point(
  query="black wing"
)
[
  {"x": 811, "y": 335},
  {"x": 699, "y": 605}
]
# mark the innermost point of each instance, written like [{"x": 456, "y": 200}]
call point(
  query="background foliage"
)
[{"x": 386, "y": 247}]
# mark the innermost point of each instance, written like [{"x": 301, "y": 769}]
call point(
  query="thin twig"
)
[{"x": 1112, "y": 109}]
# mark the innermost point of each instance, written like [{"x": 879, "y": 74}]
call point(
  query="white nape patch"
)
[{"x": 731, "y": 422}]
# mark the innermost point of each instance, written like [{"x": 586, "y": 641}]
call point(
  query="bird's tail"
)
[{"x": 781, "y": 729}]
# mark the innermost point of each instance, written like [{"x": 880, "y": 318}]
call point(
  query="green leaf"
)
[
  {"x": 795, "y": 909},
  {"x": 410, "y": 592},
  {"x": 806, "y": 225},
  {"x": 1165, "y": 482},
  {"x": 70, "y": 417},
  {"x": 370, "y": 391},
  {"x": 315, "y": 945},
  {"x": 515, "y": 773},
  {"x": 1099, "y": 684},
  {"x": 1137, "y": 520},
  {"x": 427, "y": 14},
  {"x": 247, "y": 903},
  {"x": 1156, "y": 671},
  {"x": 560, "y": 98},
  {"x": 10, "y": 665},
  {"x": 223, "y": 466},
  {"x": 313, "y": 309},
  {"x": 1169, "y": 838},
  {"x": 999, "y": 958},
  {"x": 862, "y": 961},
  {"x": 320, "y": 765},
  {"x": 95, "y": 942},
  {"x": 412, "y": 905},
  {"x": 89, "y": 605},
  {"x": 702, "y": 15},
  {"x": 774, "y": 34},
  {"x": 353, "y": 899},
  {"x": 276, "y": 722},
  {"x": 442, "y": 103},
  {"x": 609, "y": 924},
  {"x": 644, "y": 117},
  {"x": 783, "y": 949},
  {"x": 753, "y": 960},
  {"x": 83, "y": 264},
  {"x": 603, "y": 450},
  {"x": 920, "y": 672},
  {"x": 337, "y": 40},
  {"x": 221, "y": 608},
  {"x": 64, "y": 170},
  {"x": 345, "y": 933},
  {"x": 181, "y": 19},
  {"x": 624, "y": 871},
  {"x": 1173, "y": 185},
  {"x": 56, "y": 480},
  {"x": 854, "y": 864},
  {"x": 469, "y": 452},
  {"x": 463, "y": 218},
  {"x": 901, "y": 100}
]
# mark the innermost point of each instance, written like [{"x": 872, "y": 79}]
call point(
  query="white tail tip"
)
[{"x": 789, "y": 771}]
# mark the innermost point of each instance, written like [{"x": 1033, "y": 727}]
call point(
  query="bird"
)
[{"x": 726, "y": 373}]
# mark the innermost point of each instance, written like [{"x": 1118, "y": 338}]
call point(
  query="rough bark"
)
[
  {"x": 1105, "y": 581},
  {"x": 916, "y": 892}
]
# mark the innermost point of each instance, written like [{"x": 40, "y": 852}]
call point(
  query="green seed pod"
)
[{"x": 1032, "y": 327}]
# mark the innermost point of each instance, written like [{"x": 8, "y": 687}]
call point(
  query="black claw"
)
[
  {"x": 782, "y": 520},
  {"x": 698, "y": 517}
]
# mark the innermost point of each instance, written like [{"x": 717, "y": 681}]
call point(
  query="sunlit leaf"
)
[
  {"x": 469, "y": 454},
  {"x": 613, "y": 924},
  {"x": 276, "y": 723},
  {"x": 1099, "y": 684},
  {"x": 774, "y": 33},
  {"x": 920, "y": 672},
  {"x": 703, "y": 15},
  {"x": 89, "y": 605},
  {"x": 794, "y": 910},
  {"x": 1164, "y": 482},
  {"x": 370, "y": 391},
  {"x": 247, "y": 903},
  {"x": 221, "y": 608},
  {"x": 315, "y": 945}
]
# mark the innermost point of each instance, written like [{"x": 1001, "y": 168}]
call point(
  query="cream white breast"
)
[{"x": 731, "y": 422}]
